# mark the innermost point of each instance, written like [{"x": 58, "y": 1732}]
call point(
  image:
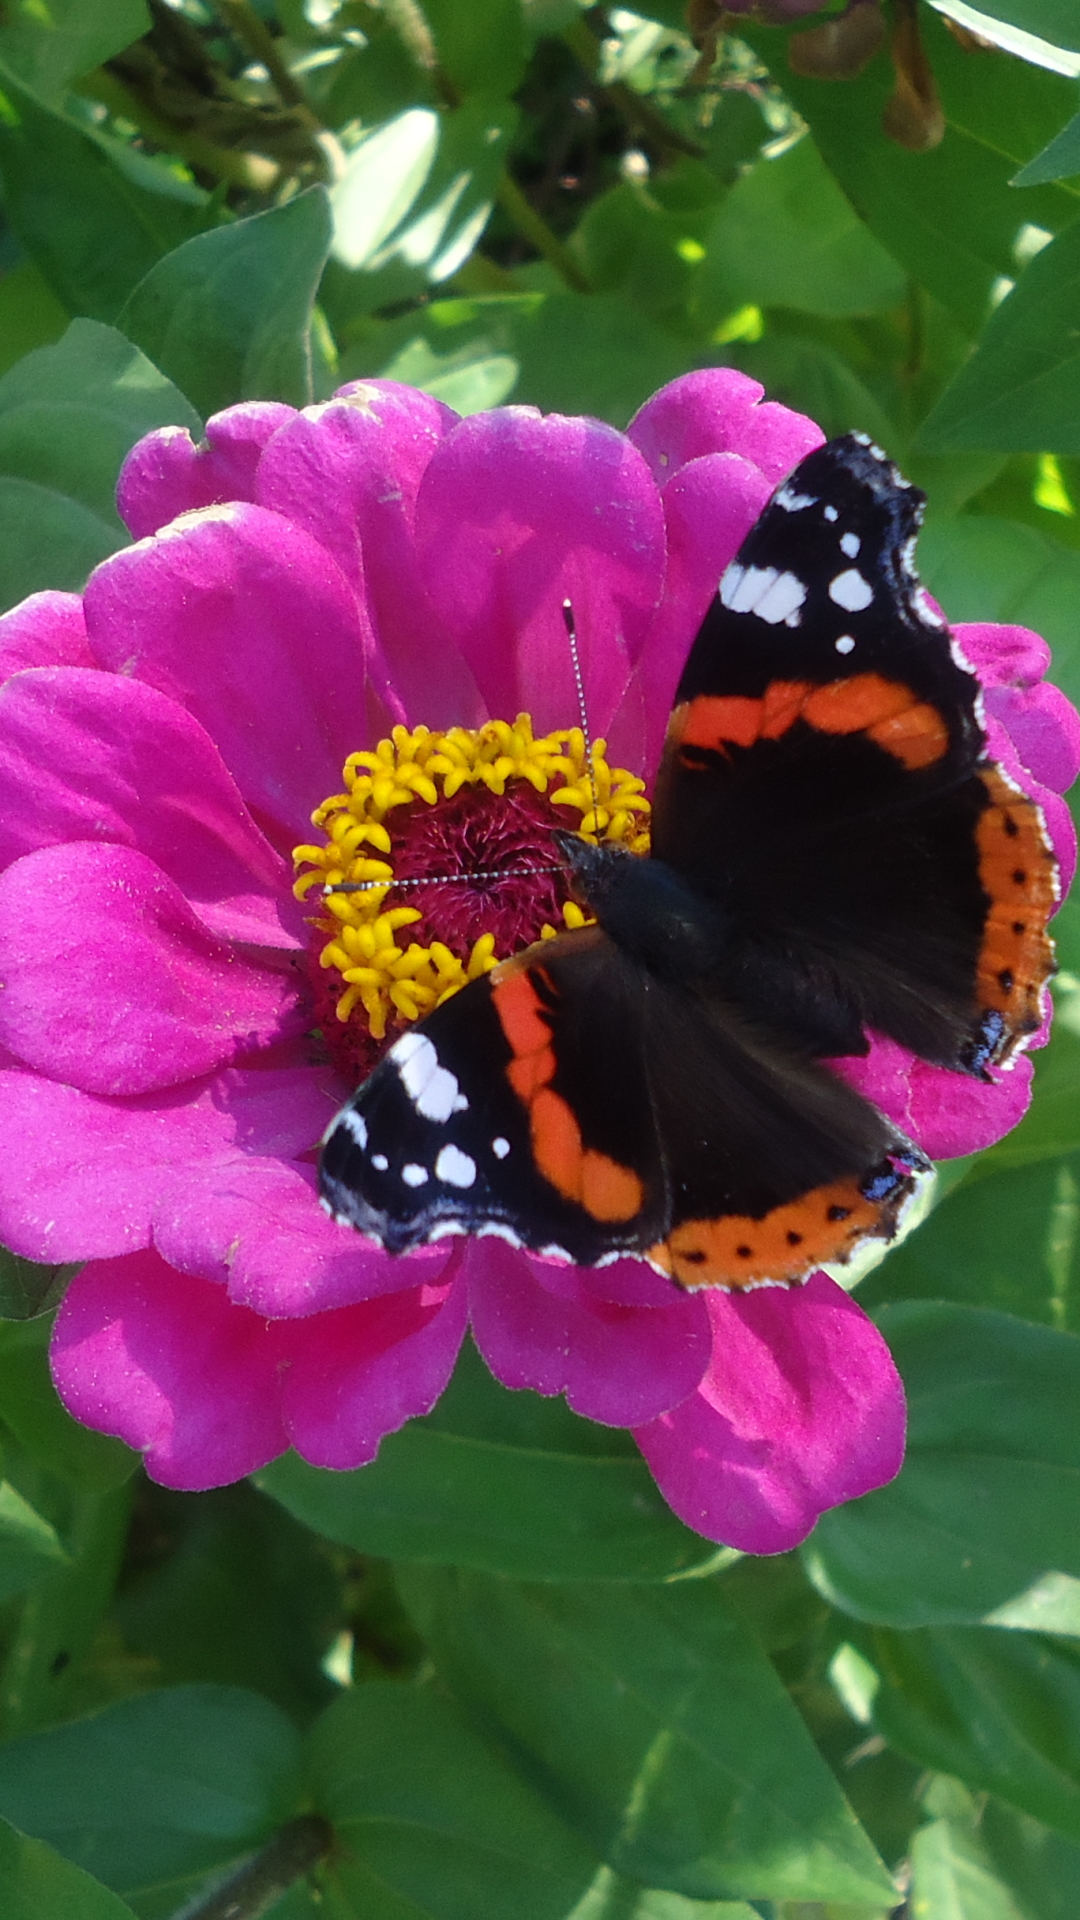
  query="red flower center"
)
[{"x": 450, "y": 836}]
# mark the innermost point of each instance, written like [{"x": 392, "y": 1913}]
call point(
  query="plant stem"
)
[
  {"x": 260, "y": 1883},
  {"x": 258, "y": 39},
  {"x": 536, "y": 230}
]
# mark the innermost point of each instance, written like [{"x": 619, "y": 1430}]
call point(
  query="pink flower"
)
[{"x": 163, "y": 742}]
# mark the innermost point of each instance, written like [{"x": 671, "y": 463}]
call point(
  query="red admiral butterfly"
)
[{"x": 832, "y": 851}]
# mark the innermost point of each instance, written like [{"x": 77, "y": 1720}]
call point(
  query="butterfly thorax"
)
[{"x": 650, "y": 912}]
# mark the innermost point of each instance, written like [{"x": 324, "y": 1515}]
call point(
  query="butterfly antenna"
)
[
  {"x": 583, "y": 712},
  {"x": 507, "y": 873}
]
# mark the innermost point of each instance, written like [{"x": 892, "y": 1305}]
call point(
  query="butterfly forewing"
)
[{"x": 826, "y": 779}]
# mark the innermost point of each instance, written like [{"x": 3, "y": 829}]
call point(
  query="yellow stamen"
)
[{"x": 392, "y": 982}]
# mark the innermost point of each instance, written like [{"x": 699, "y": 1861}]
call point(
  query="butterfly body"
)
[{"x": 832, "y": 852}]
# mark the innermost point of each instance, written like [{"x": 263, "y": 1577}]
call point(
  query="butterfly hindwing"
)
[
  {"x": 465, "y": 1124},
  {"x": 581, "y": 1107}
]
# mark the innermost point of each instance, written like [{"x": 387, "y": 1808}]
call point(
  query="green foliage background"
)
[{"x": 491, "y": 1677}]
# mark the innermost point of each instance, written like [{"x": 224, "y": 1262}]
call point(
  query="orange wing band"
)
[
  {"x": 888, "y": 712},
  {"x": 785, "y": 1245},
  {"x": 593, "y": 1181},
  {"x": 1019, "y": 873}
]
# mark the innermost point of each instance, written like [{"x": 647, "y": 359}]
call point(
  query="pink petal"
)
[
  {"x": 1056, "y": 815},
  {"x": 247, "y": 622},
  {"x": 211, "y": 1391},
  {"x": 113, "y": 984},
  {"x": 517, "y": 514},
  {"x": 84, "y": 1178},
  {"x": 361, "y": 1373},
  {"x": 47, "y": 630},
  {"x": 206, "y": 1172},
  {"x": 946, "y": 1113},
  {"x": 166, "y": 474},
  {"x": 709, "y": 507},
  {"x": 255, "y": 1224},
  {"x": 349, "y": 473},
  {"x": 1044, "y": 728},
  {"x": 617, "y": 1364},
  {"x": 1003, "y": 656},
  {"x": 164, "y": 1362},
  {"x": 717, "y": 410},
  {"x": 148, "y": 777},
  {"x": 802, "y": 1408}
]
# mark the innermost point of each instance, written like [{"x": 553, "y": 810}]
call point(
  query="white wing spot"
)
[
  {"x": 455, "y": 1168},
  {"x": 851, "y": 591},
  {"x": 850, "y": 544},
  {"x": 831, "y": 513},
  {"x": 500, "y": 1147},
  {"x": 380, "y": 1161},
  {"x": 793, "y": 502},
  {"x": 353, "y": 1123},
  {"x": 772, "y": 595},
  {"x": 414, "y": 1175},
  {"x": 433, "y": 1090},
  {"x": 845, "y": 644}
]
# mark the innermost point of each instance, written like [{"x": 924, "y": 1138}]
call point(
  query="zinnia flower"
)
[{"x": 180, "y": 1026}]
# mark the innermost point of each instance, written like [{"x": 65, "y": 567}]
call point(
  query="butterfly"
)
[{"x": 833, "y": 852}]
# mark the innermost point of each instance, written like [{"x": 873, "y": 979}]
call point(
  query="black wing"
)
[
  {"x": 576, "y": 1104},
  {"x": 826, "y": 784}
]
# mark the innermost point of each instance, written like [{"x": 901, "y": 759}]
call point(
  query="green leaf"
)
[
  {"x": 951, "y": 1878},
  {"x": 27, "y": 1289},
  {"x": 236, "y": 1592},
  {"x": 228, "y": 315},
  {"x": 1042, "y": 1869},
  {"x": 786, "y": 236},
  {"x": 613, "y": 1897},
  {"x": 29, "y": 1547},
  {"x": 68, "y": 416},
  {"x": 988, "y": 1501},
  {"x": 1001, "y": 1710},
  {"x": 652, "y": 250},
  {"x": 1020, "y": 391},
  {"x": 48, "y": 540},
  {"x": 468, "y": 382},
  {"x": 425, "y": 1808},
  {"x": 36, "y": 1883},
  {"x": 592, "y": 353},
  {"x": 414, "y": 200},
  {"x": 158, "y": 1788},
  {"x": 92, "y": 221},
  {"x": 480, "y": 46},
  {"x": 30, "y": 314},
  {"x": 1004, "y": 1237},
  {"x": 49, "y": 46},
  {"x": 656, "y": 1725},
  {"x": 504, "y": 1482},
  {"x": 813, "y": 378},
  {"x": 946, "y": 215},
  {"x": 1058, "y": 161},
  {"x": 382, "y": 177},
  {"x": 1052, "y": 1124},
  {"x": 982, "y": 568},
  {"x": 29, "y": 1405},
  {"x": 1052, "y": 20}
]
